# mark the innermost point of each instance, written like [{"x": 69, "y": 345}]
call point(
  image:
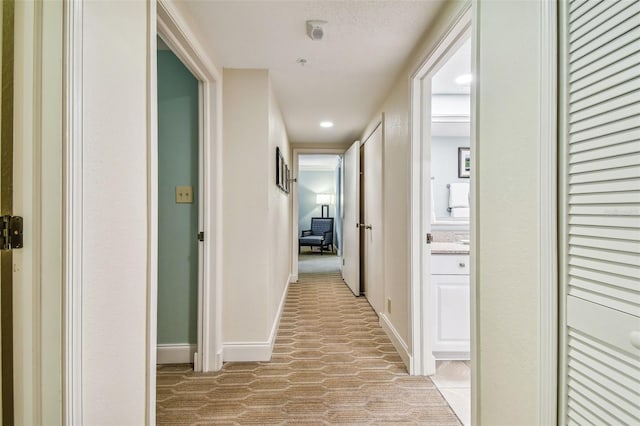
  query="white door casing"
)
[
  {"x": 37, "y": 179},
  {"x": 422, "y": 359},
  {"x": 350, "y": 228},
  {"x": 373, "y": 232}
]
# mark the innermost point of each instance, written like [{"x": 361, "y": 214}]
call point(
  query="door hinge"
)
[
  {"x": 11, "y": 235},
  {"x": 429, "y": 238},
  {"x": 200, "y": 236}
]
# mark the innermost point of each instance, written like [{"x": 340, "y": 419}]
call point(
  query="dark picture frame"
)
[
  {"x": 278, "y": 168},
  {"x": 464, "y": 162},
  {"x": 286, "y": 178},
  {"x": 282, "y": 172}
]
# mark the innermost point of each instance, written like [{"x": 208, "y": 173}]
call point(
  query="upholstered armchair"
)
[{"x": 320, "y": 234}]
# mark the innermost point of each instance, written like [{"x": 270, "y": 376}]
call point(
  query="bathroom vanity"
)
[{"x": 450, "y": 291}]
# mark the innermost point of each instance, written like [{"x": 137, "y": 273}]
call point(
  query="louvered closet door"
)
[{"x": 600, "y": 183}]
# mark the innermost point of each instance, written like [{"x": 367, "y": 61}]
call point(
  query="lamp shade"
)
[{"x": 324, "y": 199}]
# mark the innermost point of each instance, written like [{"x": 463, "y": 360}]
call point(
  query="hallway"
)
[{"x": 332, "y": 364}]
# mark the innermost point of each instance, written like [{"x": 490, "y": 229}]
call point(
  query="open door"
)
[
  {"x": 372, "y": 233},
  {"x": 350, "y": 226}
]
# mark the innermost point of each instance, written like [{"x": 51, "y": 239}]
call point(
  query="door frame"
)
[
  {"x": 551, "y": 63},
  {"x": 422, "y": 361},
  {"x": 173, "y": 30},
  {"x": 36, "y": 269},
  {"x": 294, "y": 200}
]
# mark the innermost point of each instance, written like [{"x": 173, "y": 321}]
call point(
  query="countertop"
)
[{"x": 438, "y": 247}]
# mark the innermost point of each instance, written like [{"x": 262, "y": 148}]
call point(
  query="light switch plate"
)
[{"x": 184, "y": 194}]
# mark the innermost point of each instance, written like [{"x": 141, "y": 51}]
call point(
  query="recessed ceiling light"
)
[
  {"x": 326, "y": 124},
  {"x": 464, "y": 79}
]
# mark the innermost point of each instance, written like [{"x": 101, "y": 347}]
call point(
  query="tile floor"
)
[{"x": 453, "y": 380}]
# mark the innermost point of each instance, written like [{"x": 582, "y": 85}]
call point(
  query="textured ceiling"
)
[{"x": 347, "y": 74}]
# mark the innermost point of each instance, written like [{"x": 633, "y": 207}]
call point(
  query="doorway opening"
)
[
  {"x": 180, "y": 40},
  {"x": 317, "y": 192},
  {"x": 179, "y": 210},
  {"x": 441, "y": 212},
  {"x": 320, "y": 213}
]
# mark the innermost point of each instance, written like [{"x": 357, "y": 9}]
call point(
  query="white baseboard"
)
[
  {"x": 293, "y": 278},
  {"x": 218, "y": 361},
  {"x": 247, "y": 351},
  {"x": 396, "y": 340},
  {"x": 176, "y": 354},
  {"x": 451, "y": 356},
  {"x": 257, "y": 351}
]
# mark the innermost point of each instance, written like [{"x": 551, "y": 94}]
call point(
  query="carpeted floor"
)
[
  {"x": 314, "y": 262},
  {"x": 332, "y": 364}
]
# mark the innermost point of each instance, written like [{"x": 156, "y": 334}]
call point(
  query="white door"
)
[
  {"x": 351, "y": 213},
  {"x": 373, "y": 257},
  {"x": 600, "y": 263}
]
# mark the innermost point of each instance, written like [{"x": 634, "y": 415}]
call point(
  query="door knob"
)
[{"x": 368, "y": 227}]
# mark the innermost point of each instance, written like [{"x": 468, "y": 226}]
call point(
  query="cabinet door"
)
[{"x": 451, "y": 325}]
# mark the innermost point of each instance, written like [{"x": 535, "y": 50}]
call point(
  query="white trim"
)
[
  {"x": 452, "y": 356},
  {"x": 257, "y": 351},
  {"x": 73, "y": 214},
  {"x": 548, "y": 388},
  {"x": 183, "y": 42},
  {"x": 176, "y": 354},
  {"x": 423, "y": 361},
  {"x": 294, "y": 200},
  {"x": 562, "y": 206},
  {"x": 396, "y": 340},
  {"x": 474, "y": 220},
  {"x": 152, "y": 217},
  {"x": 247, "y": 351}
]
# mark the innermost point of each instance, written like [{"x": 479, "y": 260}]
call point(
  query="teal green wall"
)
[{"x": 177, "y": 223}]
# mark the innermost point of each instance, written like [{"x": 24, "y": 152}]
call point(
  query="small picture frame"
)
[
  {"x": 283, "y": 174},
  {"x": 286, "y": 179},
  {"x": 464, "y": 162},
  {"x": 278, "y": 168}
]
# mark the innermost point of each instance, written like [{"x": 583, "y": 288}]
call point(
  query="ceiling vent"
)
[{"x": 315, "y": 29}]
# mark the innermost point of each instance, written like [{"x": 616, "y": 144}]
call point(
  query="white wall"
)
[
  {"x": 310, "y": 183},
  {"x": 257, "y": 215},
  {"x": 115, "y": 253},
  {"x": 246, "y": 137},
  {"x": 444, "y": 169},
  {"x": 280, "y": 217},
  {"x": 507, "y": 215},
  {"x": 396, "y": 166}
]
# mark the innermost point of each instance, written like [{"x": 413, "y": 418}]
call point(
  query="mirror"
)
[{"x": 450, "y": 139}]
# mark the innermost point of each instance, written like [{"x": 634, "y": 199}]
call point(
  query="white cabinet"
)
[{"x": 450, "y": 306}]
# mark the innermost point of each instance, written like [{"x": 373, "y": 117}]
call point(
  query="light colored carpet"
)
[
  {"x": 332, "y": 364},
  {"x": 313, "y": 262}
]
